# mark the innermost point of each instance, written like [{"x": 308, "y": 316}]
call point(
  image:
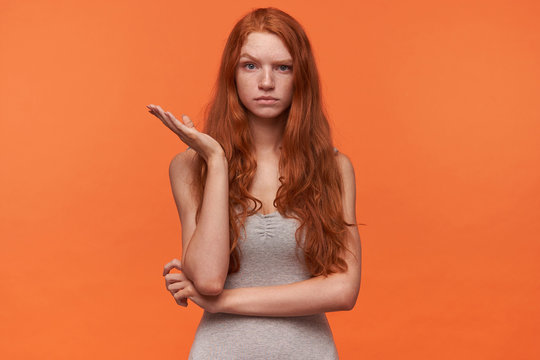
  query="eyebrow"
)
[{"x": 289, "y": 60}]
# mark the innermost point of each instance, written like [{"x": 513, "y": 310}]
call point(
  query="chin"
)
[{"x": 268, "y": 114}]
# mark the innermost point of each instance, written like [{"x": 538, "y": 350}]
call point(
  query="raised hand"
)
[{"x": 202, "y": 143}]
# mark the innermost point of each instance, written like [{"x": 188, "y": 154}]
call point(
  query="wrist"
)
[{"x": 217, "y": 159}]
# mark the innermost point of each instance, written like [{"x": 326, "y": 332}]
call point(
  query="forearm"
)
[
  {"x": 206, "y": 258},
  {"x": 316, "y": 295}
]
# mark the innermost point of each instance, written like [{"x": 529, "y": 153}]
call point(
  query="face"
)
[{"x": 264, "y": 76}]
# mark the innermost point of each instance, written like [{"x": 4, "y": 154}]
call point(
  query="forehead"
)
[{"x": 265, "y": 45}]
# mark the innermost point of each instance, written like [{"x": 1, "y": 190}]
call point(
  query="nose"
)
[{"x": 266, "y": 82}]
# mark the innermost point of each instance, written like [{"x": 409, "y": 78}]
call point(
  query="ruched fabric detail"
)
[{"x": 269, "y": 256}]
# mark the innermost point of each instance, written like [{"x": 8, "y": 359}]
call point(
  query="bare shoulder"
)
[
  {"x": 182, "y": 166},
  {"x": 349, "y": 186},
  {"x": 346, "y": 167}
]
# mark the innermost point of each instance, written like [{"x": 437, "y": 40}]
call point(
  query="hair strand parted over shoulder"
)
[{"x": 311, "y": 185}]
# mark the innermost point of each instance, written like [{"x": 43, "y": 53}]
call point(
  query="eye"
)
[
  {"x": 284, "y": 67},
  {"x": 249, "y": 66}
]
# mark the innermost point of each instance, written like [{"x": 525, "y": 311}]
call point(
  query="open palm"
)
[{"x": 202, "y": 143}]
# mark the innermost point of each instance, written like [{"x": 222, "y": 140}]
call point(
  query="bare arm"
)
[
  {"x": 205, "y": 245},
  {"x": 336, "y": 292}
]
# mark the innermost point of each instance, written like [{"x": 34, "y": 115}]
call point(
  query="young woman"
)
[{"x": 266, "y": 203}]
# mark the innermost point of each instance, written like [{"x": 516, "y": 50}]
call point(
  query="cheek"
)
[{"x": 241, "y": 88}]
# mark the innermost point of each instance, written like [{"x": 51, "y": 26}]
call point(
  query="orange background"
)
[{"x": 435, "y": 102}]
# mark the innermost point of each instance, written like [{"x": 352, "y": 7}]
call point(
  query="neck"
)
[{"x": 267, "y": 133}]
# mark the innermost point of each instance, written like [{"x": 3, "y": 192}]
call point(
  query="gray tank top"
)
[{"x": 268, "y": 257}]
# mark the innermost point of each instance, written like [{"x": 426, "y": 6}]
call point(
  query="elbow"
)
[
  {"x": 206, "y": 281},
  {"x": 209, "y": 287},
  {"x": 349, "y": 295},
  {"x": 349, "y": 303}
]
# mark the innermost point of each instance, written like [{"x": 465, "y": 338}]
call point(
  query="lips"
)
[{"x": 266, "y": 100}]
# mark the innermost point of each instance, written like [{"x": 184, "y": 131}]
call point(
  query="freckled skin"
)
[{"x": 264, "y": 69}]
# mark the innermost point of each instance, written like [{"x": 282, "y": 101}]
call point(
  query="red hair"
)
[{"x": 311, "y": 184}]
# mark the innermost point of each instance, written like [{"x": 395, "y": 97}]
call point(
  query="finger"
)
[
  {"x": 184, "y": 294},
  {"x": 174, "y": 277},
  {"x": 181, "y": 297},
  {"x": 181, "y": 294},
  {"x": 172, "y": 124},
  {"x": 153, "y": 108},
  {"x": 164, "y": 117},
  {"x": 187, "y": 121},
  {"x": 161, "y": 114},
  {"x": 170, "y": 121},
  {"x": 174, "y": 263},
  {"x": 169, "y": 282},
  {"x": 182, "y": 302},
  {"x": 154, "y": 111},
  {"x": 172, "y": 118},
  {"x": 176, "y": 126},
  {"x": 175, "y": 121},
  {"x": 174, "y": 287},
  {"x": 159, "y": 109}
]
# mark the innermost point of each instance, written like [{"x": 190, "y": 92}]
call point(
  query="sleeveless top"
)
[{"x": 268, "y": 256}]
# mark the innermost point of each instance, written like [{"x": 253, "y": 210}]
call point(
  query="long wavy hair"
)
[{"x": 311, "y": 184}]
